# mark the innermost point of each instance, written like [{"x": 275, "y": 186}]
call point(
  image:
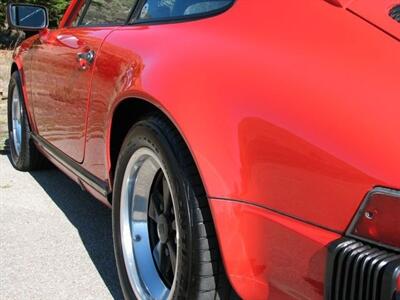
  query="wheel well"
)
[
  {"x": 125, "y": 116},
  {"x": 14, "y": 68}
]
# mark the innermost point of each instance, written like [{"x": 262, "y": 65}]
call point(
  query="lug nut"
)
[{"x": 369, "y": 215}]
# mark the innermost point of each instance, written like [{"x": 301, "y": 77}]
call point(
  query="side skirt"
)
[{"x": 96, "y": 183}]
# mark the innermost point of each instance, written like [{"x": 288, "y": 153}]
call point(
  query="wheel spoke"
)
[
  {"x": 158, "y": 198},
  {"x": 173, "y": 225},
  {"x": 172, "y": 255},
  {"x": 160, "y": 257},
  {"x": 153, "y": 211},
  {"x": 157, "y": 253},
  {"x": 166, "y": 195}
]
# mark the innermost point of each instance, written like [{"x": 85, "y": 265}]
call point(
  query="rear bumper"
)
[{"x": 269, "y": 255}]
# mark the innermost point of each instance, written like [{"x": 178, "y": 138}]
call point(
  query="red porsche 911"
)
[{"x": 248, "y": 148}]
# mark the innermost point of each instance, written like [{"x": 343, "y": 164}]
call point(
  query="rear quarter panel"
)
[{"x": 290, "y": 105}]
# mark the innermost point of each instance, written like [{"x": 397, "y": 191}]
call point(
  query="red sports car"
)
[{"x": 248, "y": 148}]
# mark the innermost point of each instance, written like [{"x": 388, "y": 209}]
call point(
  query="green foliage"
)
[{"x": 56, "y": 9}]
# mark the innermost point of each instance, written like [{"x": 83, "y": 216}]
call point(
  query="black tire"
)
[
  {"x": 28, "y": 158},
  {"x": 202, "y": 274}
]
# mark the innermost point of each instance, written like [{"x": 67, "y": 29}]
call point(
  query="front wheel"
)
[
  {"x": 164, "y": 237},
  {"x": 23, "y": 153}
]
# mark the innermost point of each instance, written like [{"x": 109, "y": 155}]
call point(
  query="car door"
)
[{"x": 62, "y": 69}]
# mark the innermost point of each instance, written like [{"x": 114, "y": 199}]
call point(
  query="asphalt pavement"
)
[{"x": 55, "y": 240}]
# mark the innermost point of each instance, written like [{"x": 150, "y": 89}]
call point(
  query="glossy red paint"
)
[
  {"x": 71, "y": 12},
  {"x": 273, "y": 121},
  {"x": 339, "y": 3},
  {"x": 278, "y": 113},
  {"x": 376, "y": 12},
  {"x": 62, "y": 86},
  {"x": 251, "y": 239}
]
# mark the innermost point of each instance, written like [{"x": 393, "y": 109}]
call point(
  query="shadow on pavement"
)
[{"x": 92, "y": 220}]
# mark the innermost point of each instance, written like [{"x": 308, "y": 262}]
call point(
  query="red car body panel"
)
[
  {"x": 245, "y": 148},
  {"x": 251, "y": 240},
  {"x": 376, "y": 13},
  {"x": 60, "y": 87},
  {"x": 291, "y": 108}
]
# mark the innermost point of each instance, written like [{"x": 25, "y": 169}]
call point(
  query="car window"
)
[
  {"x": 77, "y": 14},
  {"x": 106, "y": 12},
  {"x": 169, "y": 9}
]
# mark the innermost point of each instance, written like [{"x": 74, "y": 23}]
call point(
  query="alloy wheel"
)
[{"x": 149, "y": 234}]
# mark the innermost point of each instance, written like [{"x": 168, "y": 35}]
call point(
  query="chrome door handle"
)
[{"x": 85, "y": 59}]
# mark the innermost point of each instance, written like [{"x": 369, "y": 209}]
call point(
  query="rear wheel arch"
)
[
  {"x": 201, "y": 274},
  {"x": 128, "y": 112}
]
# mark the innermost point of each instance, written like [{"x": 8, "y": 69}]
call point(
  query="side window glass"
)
[
  {"x": 106, "y": 12},
  {"x": 169, "y": 9}
]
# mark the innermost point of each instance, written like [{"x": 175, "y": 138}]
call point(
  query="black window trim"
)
[
  {"x": 133, "y": 20},
  {"x": 87, "y": 4},
  {"x": 70, "y": 20},
  {"x": 175, "y": 19}
]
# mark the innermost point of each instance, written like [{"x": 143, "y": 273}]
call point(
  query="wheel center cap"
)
[{"x": 162, "y": 229}]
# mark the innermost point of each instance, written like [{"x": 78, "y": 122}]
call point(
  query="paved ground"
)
[
  {"x": 5, "y": 63},
  {"x": 3, "y": 124},
  {"x": 55, "y": 240},
  {"x": 5, "y": 67}
]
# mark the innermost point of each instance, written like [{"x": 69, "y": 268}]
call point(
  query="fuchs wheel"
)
[
  {"x": 23, "y": 153},
  {"x": 164, "y": 238},
  {"x": 149, "y": 236}
]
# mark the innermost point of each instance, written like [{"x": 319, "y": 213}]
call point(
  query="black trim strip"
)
[
  {"x": 176, "y": 19},
  {"x": 68, "y": 23},
  {"x": 279, "y": 213},
  {"x": 85, "y": 9},
  {"x": 135, "y": 11},
  {"x": 134, "y": 14},
  {"x": 96, "y": 183}
]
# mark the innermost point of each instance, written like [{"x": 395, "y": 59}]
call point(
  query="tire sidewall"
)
[
  {"x": 147, "y": 135},
  {"x": 17, "y": 160}
]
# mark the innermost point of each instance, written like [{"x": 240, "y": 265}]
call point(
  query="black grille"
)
[
  {"x": 359, "y": 271},
  {"x": 395, "y": 13}
]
